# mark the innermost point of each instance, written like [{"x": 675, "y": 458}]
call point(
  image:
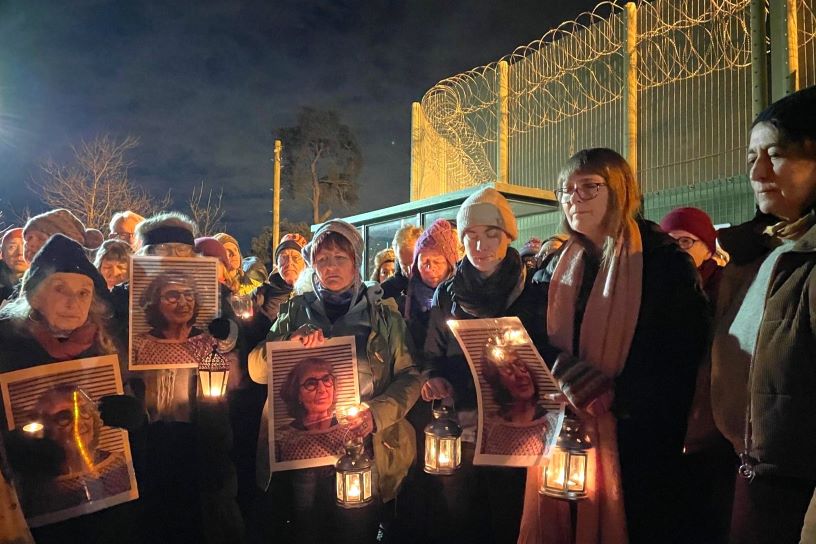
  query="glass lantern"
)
[
  {"x": 443, "y": 442},
  {"x": 565, "y": 475},
  {"x": 242, "y": 305},
  {"x": 353, "y": 476},
  {"x": 213, "y": 371}
]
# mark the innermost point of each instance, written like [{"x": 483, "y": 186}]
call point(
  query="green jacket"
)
[
  {"x": 783, "y": 384},
  {"x": 389, "y": 379}
]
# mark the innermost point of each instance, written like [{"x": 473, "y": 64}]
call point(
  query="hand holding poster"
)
[
  {"x": 59, "y": 402},
  {"x": 518, "y": 419},
  {"x": 310, "y": 391}
]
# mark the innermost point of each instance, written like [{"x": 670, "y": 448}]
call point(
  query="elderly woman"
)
[
  {"x": 62, "y": 314},
  {"x": 517, "y": 428},
  {"x": 340, "y": 305},
  {"x": 763, "y": 377},
  {"x": 622, "y": 321},
  {"x": 310, "y": 395},
  {"x": 112, "y": 261}
]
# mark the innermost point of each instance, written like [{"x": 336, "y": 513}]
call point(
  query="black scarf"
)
[
  {"x": 485, "y": 297},
  {"x": 419, "y": 297}
]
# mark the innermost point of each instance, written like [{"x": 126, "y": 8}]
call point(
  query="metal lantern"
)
[
  {"x": 353, "y": 476},
  {"x": 443, "y": 442},
  {"x": 565, "y": 475},
  {"x": 213, "y": 371}
]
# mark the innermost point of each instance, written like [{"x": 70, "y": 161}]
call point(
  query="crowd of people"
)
[{"x": 684, "y": 352}]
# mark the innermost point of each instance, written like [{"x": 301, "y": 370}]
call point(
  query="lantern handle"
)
[{"x": 435, "y": 406}]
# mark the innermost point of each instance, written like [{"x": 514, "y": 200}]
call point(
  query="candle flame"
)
[{"x": 33, "y": 427}]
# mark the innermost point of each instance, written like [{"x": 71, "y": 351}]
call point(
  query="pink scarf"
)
[
  {"x": 63, "y": 349},
  {"x": 606, "y": 335}
]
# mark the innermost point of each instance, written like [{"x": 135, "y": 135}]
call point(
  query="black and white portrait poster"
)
[
  {"x": 58, "y": 401},
  {"x": 172, "y": 300},
  {"x": 311, "y": 390},
  {"x": 518, "y": 420}
]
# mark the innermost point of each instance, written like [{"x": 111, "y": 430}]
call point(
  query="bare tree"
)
[
  {"x": 95, "y": 184},
  {"x": 207, "y": 214}
]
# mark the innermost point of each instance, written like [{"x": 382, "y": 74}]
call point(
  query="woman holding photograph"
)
[
  {"x": 310, "y": 394},
  {"x": 62, "y": 314},
  {"x": 341, "y": 305},
  {"x": 475, "y": 504},
  {"x": 619, "y": 315},
  {"x": 518, "y": 427}
]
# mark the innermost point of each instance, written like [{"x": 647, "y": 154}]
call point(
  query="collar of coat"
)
[{"x": 749, "y": 241}]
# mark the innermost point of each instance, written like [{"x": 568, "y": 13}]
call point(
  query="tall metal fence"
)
[{"x": 671, "y": 84}]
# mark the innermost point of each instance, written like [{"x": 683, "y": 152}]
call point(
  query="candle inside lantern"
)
[
  {"x": 34, "y": 428},
  {"x": 354, "y": 487}
]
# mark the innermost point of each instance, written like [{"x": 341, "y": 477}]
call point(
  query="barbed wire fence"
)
[{"x": 668, "y": 83}]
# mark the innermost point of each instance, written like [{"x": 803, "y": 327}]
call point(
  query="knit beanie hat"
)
[
  {"x": 210, "y": 247},
  {"x": 225, "y": 238},
  {"x": 292, "y": 240},
  {"x": 694, "y": 221},
  {"x": 346, "y": 230},
  {"x": 11, "y": 233},
  {"x": 64, "y": 222},
  {"x": 61, "y": 254},
  {"x": 487, "y": 207},
  {"x": 439, "y": 236}
]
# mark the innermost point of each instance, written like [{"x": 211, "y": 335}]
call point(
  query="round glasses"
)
[
  {"x": 685, "y": 242},
  {"x": 310, "y": 384},
  {"x": 586, "y": 191},
  {"x": 174, "y": 296}
]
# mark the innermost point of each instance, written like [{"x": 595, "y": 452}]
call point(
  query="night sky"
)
[{"x": 204, "y": 84}]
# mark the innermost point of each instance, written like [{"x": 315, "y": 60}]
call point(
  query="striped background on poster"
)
[
  {"x": 475, "y": 340},
  {"x": 340, "y": 355},
  {"x": 203, "y": 270},
  {"x": 96, "y": 382}
]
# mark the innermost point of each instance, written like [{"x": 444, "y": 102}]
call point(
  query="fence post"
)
[
  {"x": 630, "y": 85},
  {"x": 503, "y": 128},
  {"x": 759, "y": 58},
  {"x": 416, "y": 135},
  {"x": 276, "y": 176},
  {"x": 784, "y": 48}
]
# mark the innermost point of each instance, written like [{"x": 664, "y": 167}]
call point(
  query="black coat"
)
[
  {"x": 653, "y": 392},
  {"x": 396, "y": 287}
]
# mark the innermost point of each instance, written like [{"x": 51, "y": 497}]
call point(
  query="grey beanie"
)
[
  {"x": 486, "y": 207},
  {"x": 346, "y": 230}
]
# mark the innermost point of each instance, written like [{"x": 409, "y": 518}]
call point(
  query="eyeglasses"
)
[
  {"x": 586, "y": 191},
  {"x": 172, "y": 249},
  {"x": 64, "y": 418},
  {"x": 310, "y": 384},
  {"x": 173, "y": 296},
  {"x": 685, "y": 242}
]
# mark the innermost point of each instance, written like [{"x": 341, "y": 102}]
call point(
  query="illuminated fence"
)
[{"x": 671, "y": 84}]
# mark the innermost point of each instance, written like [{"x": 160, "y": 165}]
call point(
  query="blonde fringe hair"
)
[
  {"x": 624, "y": 191},
  {"x": 100, "y": 313}
]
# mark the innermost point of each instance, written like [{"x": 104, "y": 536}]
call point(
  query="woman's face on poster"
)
[
  {"x": 317, "y": 391},
  {"x": 516, "y": 378},
  {"x": 64, "y": 300},
  {"x": 177, "y": 303},
  {"x": 69, "y": 421}
]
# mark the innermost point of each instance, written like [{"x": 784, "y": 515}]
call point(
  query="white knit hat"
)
[{"x": 487, "y": 208}]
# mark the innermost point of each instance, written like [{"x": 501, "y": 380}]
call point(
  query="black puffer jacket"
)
[{"x": 653, "y": 392}]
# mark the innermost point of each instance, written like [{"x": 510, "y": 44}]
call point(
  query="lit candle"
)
[
  {"x": 215, "y": 391},
  {"x": 354, "y": 489},
  {"x": 444, "y": 460},
  {"x": 35, "y": 428}
]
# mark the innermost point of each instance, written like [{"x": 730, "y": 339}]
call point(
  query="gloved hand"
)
[
  {"x": 587, "y": 388},
  {"x": 219, "y": 328},
  {"x": 121, "y": 411},
  {"x": 40, "y": 457}
]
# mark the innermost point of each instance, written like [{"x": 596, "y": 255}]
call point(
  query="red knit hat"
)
[
  {"x": 210, "y": 247},
  {"x": 693, "y": 221},
  {"x": 438, "y": 236}
]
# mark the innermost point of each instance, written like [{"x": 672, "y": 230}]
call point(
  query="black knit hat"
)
[{"x": 61, "y": 254}]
